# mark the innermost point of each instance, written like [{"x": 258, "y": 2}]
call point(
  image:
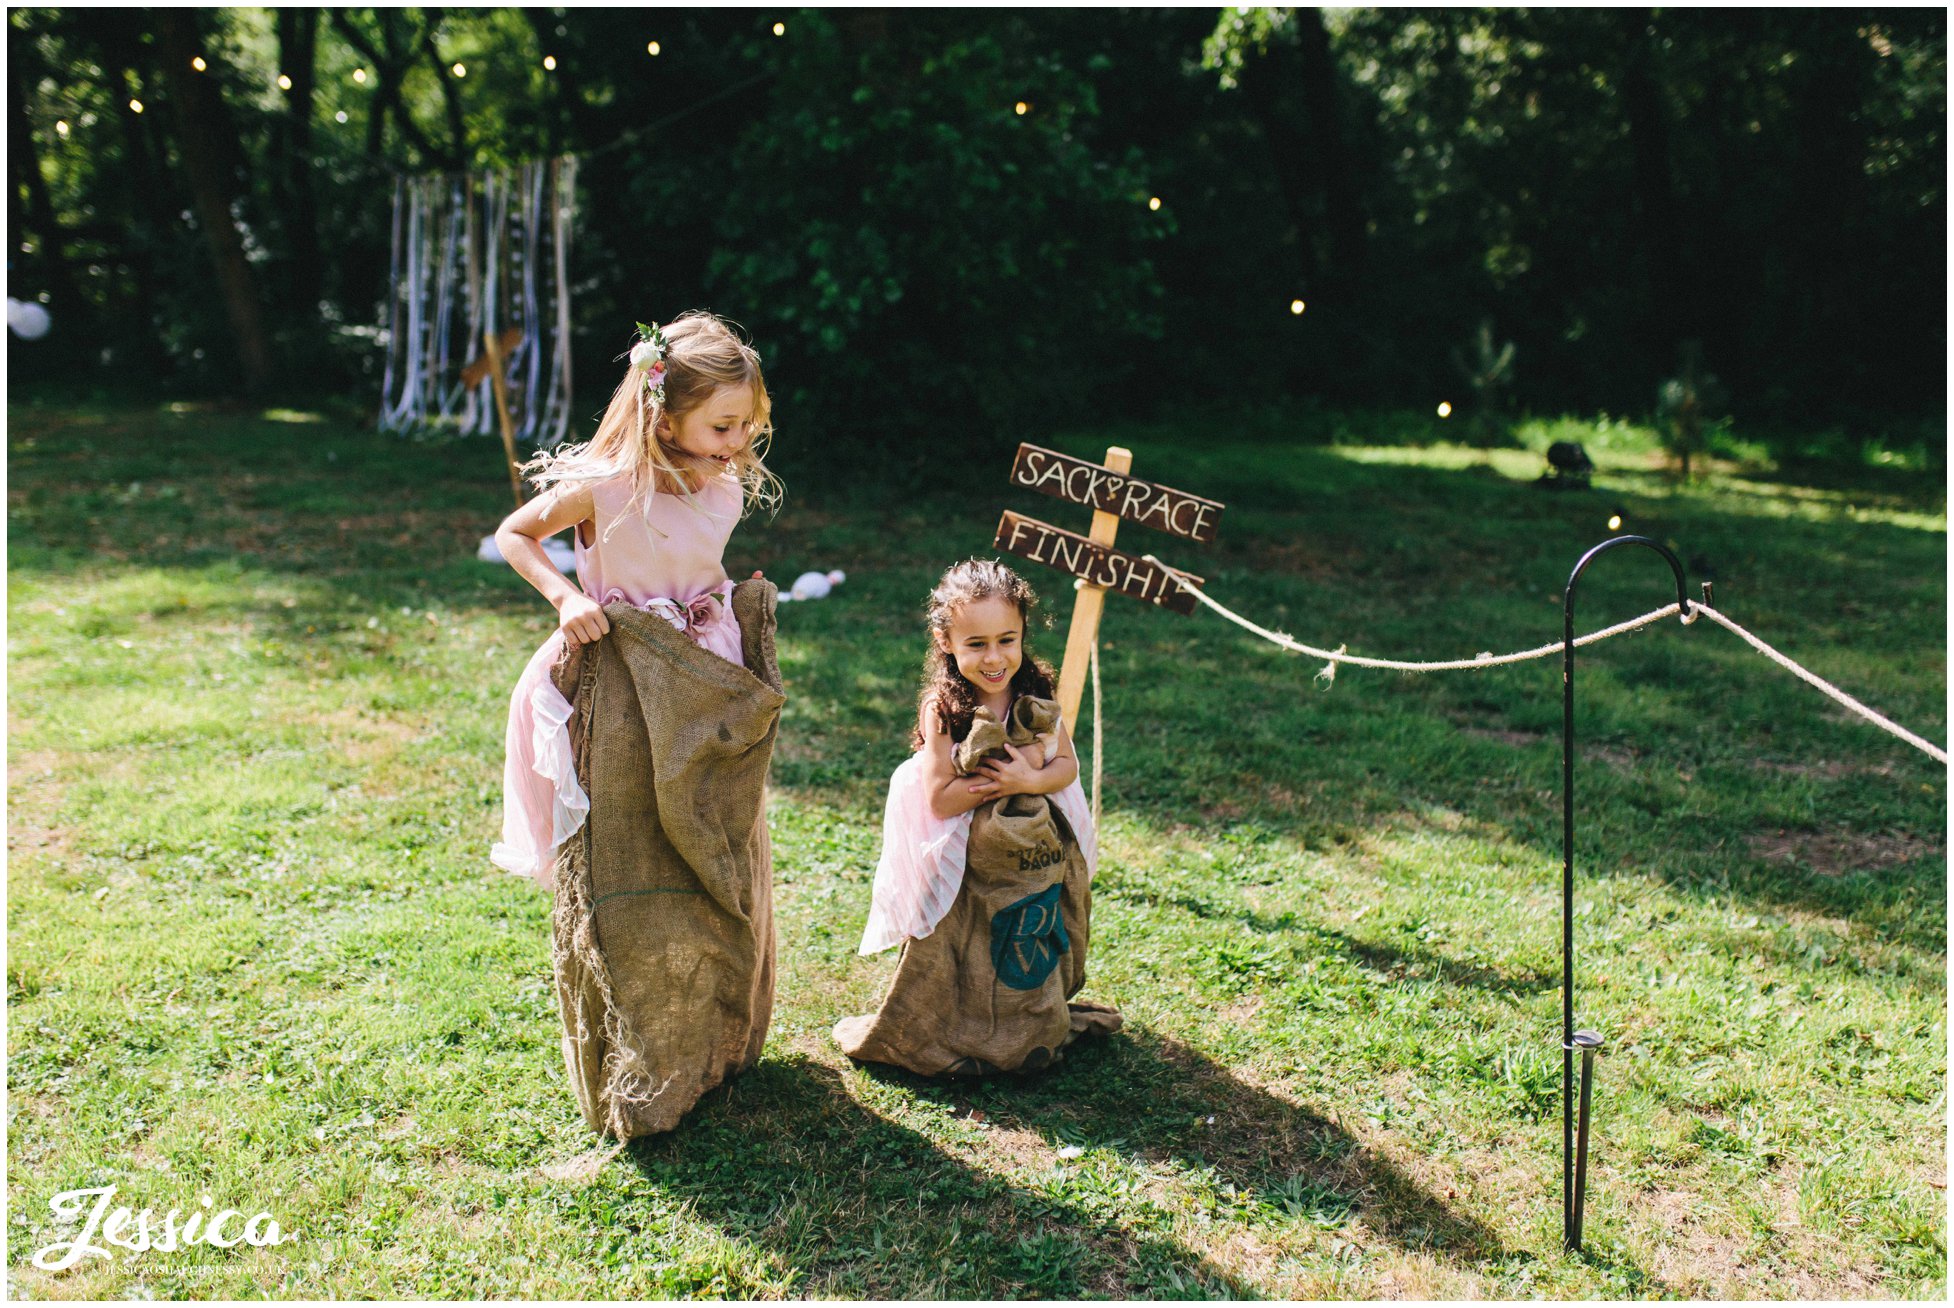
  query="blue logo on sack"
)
[{"x": 1027, "y": 937}]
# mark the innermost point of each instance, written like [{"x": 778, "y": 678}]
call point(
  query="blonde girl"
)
[{"x": 652, "y": 498}]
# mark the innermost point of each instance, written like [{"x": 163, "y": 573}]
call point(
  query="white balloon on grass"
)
[
  {"x": 559, "y": 552},
  {"x": 27, "y": 320},
  {"x": 815, "y": 585}
]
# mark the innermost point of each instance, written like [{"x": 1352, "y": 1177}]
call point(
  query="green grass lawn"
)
[{"x": 257, "y": 950}]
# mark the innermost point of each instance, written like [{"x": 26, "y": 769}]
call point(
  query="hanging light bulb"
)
[
  {"x": 135, "y": 106},
  {"x": 61, "y": 129},
  {"x": 1022, "y": 108},
  {"x": 1445, "y": 408},
  {"x": 652, "y": 49},
  {"x": 1614, "y": 522},
  {"x": 339, "y": 117},
  {"x": 549, "y": 63},
  {"x": 359, "y": 75},
  {"x": 284, "y": 82},
  {"x": 1297, "y": 306},
  {"x": 460, "y": 70},
  {"x": 197, "y": 62},
  {"x": 1154, "y": 203},
  {"x": 780, "y": 29}
]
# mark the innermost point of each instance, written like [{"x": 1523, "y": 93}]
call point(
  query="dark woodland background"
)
[{"x": 914, "y": 257}]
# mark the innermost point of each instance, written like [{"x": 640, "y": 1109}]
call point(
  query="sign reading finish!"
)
[{"x": 1097, "y": 564}]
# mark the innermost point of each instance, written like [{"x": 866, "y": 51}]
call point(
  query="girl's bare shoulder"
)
[{"x": 553, "y": 510}]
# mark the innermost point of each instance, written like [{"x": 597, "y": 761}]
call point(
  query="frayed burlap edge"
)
[{"x": 625, "y": 1083}]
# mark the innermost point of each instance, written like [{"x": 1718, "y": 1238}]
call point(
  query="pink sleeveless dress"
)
[
  {"x": 664, "y": 557},
  {"x": 922, "y": 863}
]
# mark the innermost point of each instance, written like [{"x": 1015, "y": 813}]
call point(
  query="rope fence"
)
[{"x": 1488, "y": 660}]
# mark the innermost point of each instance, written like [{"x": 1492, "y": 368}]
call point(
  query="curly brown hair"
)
[{"x": 945, "y": 691}]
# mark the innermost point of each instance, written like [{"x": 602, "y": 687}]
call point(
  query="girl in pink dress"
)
[
  {"x": 653, "y": 497},
  {"x": 977, "y": 619}
]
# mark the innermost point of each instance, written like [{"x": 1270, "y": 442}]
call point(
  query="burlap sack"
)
[
  {"x": 986, "y": 991},
  {"x": 663, "y": 920}
]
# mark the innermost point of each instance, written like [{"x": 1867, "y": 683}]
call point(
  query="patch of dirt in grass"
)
[
  {"x": 1613, "y": 755},
  {"x": 1688, "y": 1253},
  {"x": 1516, "y": 739},
  {"x": 1017, "y": 1149},
  {"x": 1239, "y": 1013},
  {"x": 1316, "y": 559},
  {"x": 1826, "y": 769},
  {"x": 1415, "y": 1278},
  {"x": 1701, "y": 1253},
  {"x": 580, "y": 1169},
  {"x": 363, "y": 737},
  {"x": 1244, "y": 1256},
  {"x": 1259, "y": 795},
  {"x": 1840, "y": 852},
  {"x": 33, "y": 795}
]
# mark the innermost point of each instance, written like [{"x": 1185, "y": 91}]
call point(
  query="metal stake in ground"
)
[{"x": 1574, "y": 1161}]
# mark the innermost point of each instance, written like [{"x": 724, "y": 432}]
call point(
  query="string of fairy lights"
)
[{"x": 654, "y": 48}]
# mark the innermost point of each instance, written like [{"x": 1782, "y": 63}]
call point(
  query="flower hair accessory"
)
[{"x": 648, "y": 356}]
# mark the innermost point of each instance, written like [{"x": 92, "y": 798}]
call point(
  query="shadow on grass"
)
[
  {"x": 858, "y": 1205},
  {"x": 1142, "y": 1094},
  {"x": 1167, "y": 1101},
  {"x": 1378, "y": 956}
]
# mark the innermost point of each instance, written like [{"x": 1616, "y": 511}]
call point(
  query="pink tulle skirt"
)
[
  {"x": 542, "y": 804},
  {"x": 922, "y": 862}
]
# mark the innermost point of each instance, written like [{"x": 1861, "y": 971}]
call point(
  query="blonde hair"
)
[{"x": 703, "y": 353}]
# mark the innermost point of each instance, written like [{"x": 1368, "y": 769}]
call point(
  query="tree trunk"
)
[
  {"x": 1343, "y": 208},
  {"x": 390, "y": 62},
  {"x": 1669, "y": 309},
  {"x": 1289, "y": 150},
  {"x": 202, "y": 128},
  {"x": 450, "y": 92},
  {"x": 1826, "y": 227},
  {"x": 65, "y": 299},
  {"x": 298, "y": 36},
  {"x": 568, "y": 98}
]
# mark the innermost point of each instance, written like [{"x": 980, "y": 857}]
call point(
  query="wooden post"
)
[
  {"x": 500, "y": 386},
  {"x": 1090, "y": 601}
]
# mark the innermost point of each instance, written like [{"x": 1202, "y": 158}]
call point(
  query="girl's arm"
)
[
  {"x": 1021, "y": 774},
  {"x": 949, "y": 794},
  {"x": 520, "y": 538}
]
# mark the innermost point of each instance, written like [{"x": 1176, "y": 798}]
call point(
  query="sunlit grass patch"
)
[{"x": 257, "y": 950}]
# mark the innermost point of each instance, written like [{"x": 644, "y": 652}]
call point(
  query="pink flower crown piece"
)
[{"x": 648, "y": 356}]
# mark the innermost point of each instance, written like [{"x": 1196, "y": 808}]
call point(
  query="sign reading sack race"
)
[
  {"x": 1030, "y": 539},
  {"x": 1161, "y": 507}
]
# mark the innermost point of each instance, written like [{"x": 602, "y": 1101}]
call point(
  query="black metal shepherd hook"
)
[{"x": 1574, "y": 1155}]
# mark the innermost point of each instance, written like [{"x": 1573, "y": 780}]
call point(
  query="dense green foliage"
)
[
  {"x": 915, "y": 257},
  {"x": 256, "y": 949}
]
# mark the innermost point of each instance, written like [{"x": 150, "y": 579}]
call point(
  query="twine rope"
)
[
  {"x": 1812, "y": 678},
  {"x": 1488, "y": 660}
]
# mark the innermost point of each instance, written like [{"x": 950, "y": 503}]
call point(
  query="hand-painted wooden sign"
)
[
  {"x": 1152, "y": 505},
  {"x": 1096, "y": 563},
  {"x": 1112, "y": 495}
]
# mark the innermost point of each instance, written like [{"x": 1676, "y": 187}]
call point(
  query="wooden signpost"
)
[
  {"x": 1112, "y": 493},
  {"x": 489, "y": 364}
]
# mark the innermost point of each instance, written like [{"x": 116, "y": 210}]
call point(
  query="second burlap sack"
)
[{"x": 987, "y": 991}]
